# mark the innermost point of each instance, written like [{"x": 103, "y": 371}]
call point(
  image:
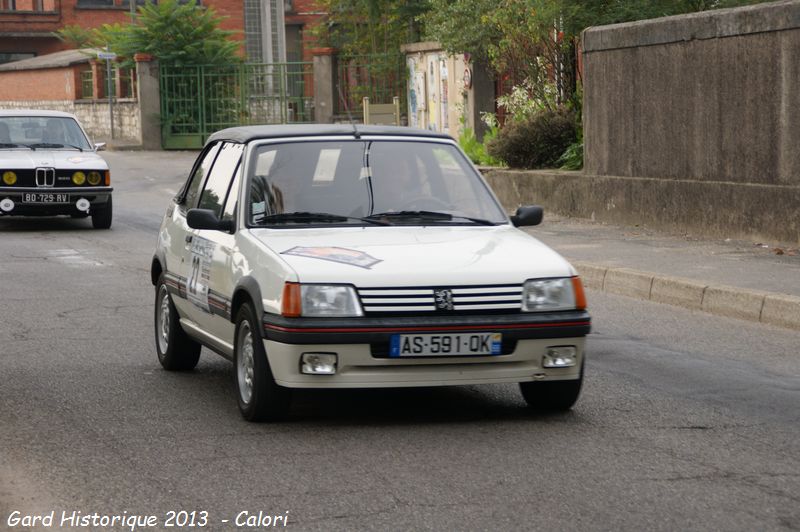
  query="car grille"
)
[{"x": 458, "y": 299}]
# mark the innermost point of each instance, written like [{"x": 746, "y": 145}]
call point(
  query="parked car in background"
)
[
  {"x": 49, "y": 167},
  {"x": 331, "y": 256}
]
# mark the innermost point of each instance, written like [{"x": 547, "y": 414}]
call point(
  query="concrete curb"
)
[{"x": 764, "y": 307}]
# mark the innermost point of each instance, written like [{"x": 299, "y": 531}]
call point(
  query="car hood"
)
[
  {"x": 15, "y": 159},
  {"x": 414, "y": 256}
]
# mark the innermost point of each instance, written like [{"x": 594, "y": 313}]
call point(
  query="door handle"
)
[{"x": 189, "y": 239}]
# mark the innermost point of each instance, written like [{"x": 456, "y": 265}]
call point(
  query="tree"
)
[
  {"x": 174, "y": 33},
  {"x": 360, "y": 27},
  {"x": 520, "y": 38}
]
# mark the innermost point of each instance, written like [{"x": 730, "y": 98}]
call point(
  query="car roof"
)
[
  {"x": 35, "y": 112},
  {"x": 248, "y": 133}
]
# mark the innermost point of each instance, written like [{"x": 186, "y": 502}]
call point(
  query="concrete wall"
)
[
  {"x": 710, "y": 104},
  {"x": 710, "y": 96},
  {"x": 764, "y": 213},
  {"x": 93, "y": 115}
]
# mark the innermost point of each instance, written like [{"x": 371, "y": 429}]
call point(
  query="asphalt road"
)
[{"x": 687, "y": 421}]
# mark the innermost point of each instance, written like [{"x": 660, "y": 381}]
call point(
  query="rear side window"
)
[
  {"x": 219, "y": 180},
  {"x": 199, "y": 176}
]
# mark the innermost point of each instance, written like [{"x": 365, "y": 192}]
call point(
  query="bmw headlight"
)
[
  {"x": 541, "y": 295},
  {"x": 329, "y": 300}
]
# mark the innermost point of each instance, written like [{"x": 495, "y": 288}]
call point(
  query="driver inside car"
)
[{"x": 395, "y": 182}]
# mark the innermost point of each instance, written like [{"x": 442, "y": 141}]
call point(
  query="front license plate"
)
[
  {"x": 44, "y": 197},
  {"x": 426, "y": 345}
]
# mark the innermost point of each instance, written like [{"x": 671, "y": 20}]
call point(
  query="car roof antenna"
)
[{"x": 342, "y": 99}]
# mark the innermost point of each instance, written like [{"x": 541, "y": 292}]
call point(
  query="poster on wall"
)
[
  {"x": 443, "y": 91},
  {"x": 433, "y": 109},
  {"x": 413, "y": 93}
]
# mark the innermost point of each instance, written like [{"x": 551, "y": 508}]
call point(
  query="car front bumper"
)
[
  {"x": 362, "y": 362},
  {"x": 96, "y": 196}
]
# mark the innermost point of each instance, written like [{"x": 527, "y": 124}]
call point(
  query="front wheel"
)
[
  {"x": 260, "y": 398},
  {"x": 552, "y": 396},
  {"x": 176, "y": 351},
  {"x": 101, "y": 217}
]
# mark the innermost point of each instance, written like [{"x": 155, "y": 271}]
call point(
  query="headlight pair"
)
[
  {"x": 94, "y": 178},
  {"x": 320, "y": 300}
]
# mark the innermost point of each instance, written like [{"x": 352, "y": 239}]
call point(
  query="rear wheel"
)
[
  {"x": 552, "y": 396},
  {"x": 101, "y": 216},
  {"x": 260, "y": 398},
  {"x": 176, "y": 351}
]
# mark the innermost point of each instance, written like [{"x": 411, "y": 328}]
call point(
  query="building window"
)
[
  {"x": 95, "y": 3},
  {"x": 86, "y": 85}
]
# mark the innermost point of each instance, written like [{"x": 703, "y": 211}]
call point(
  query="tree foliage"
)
[
  {"x": 358, "y": 27},
  {"x": 176, "y": 34},
  {"x": 510, "y": 34}
]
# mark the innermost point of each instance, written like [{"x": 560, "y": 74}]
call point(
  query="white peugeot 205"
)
[{"x": 337, "y": 256}]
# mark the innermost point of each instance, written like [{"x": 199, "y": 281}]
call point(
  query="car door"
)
[
  {"x": 176, "y": 236},
  {"x": 209, "y": 254}
]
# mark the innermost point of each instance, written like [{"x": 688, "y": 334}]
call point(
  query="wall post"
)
[
  {"x": 324, "y": 89},
  {"x": 149, "y": 98}
]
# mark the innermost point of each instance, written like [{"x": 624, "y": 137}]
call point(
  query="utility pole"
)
[{"x": 109, "y": 56}]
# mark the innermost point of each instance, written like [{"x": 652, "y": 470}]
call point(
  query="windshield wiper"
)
[
  {"x": 429, "y": 215},
  {"x": 12, "y": 145},
  {"x": 45, "y": 145},
  {"x": 53, "y": 145},
  {"x": 315, "y": 217}
]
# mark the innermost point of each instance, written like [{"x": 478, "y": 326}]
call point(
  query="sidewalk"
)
[{"x": 748, "y": 280}]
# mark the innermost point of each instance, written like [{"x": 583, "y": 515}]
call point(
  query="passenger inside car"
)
[{"x": 54, "y": 131}]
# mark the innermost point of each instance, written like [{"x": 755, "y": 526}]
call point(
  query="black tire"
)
[
  {"x": 175, "y": 350},
  {"x": 552, "y": 396},
  {"x": 101, "y": 216},
  {"x": 260, "y": 399}
]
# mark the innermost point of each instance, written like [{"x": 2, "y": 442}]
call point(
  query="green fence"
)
[
  {"x": 378, "y": 76},
  {"x": 199, "y": 100}
]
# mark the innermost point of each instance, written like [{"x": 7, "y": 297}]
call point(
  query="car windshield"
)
[
  {"x": 41, "y": 132},
  {"x": 392, "y": 182}
]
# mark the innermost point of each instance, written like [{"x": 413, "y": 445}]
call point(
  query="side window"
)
[
  {"x": 199, "y": 175},
  {"x": 233, "y": 196},
  {"x": 219, "y": 180}
]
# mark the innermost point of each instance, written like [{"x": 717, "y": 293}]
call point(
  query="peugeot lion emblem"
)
[{"x": 443, "y": 298}]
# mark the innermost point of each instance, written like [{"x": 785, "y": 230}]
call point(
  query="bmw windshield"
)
[
  {"x": 41, "y": 132},
  {"x": 383, "y": 182}
]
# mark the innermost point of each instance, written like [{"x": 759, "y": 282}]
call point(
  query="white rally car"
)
[
  {"x": 49, "y": 167},
  {"x": 337, "y": 256}
]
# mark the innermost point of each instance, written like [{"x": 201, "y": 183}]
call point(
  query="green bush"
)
[
  {"x": 536, "y": 142},
  {"x": 475, "y": 150},
  {"x": 572, "y": 158}
]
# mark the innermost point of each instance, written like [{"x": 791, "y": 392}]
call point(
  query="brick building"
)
[{"x": 270, "y": 30}]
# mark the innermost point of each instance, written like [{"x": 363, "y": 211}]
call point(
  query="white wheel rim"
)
[
  {"x": 164, "y": 319},
  {"x": 245, "y": 366}
]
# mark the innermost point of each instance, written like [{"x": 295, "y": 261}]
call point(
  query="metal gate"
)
[{"x": 199, "y": 100}]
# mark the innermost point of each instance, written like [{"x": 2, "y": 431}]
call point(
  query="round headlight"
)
[
  {"x": 79, "y": 178},
  {"x": 94, "y": 178},
  {"x": 9, "y": 178}
]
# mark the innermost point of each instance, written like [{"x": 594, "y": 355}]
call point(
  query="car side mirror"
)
[
  {"x": 99, "y": 146},
  {"x": 207, "y": 219},
  {"x": 528, "y": 215}
]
